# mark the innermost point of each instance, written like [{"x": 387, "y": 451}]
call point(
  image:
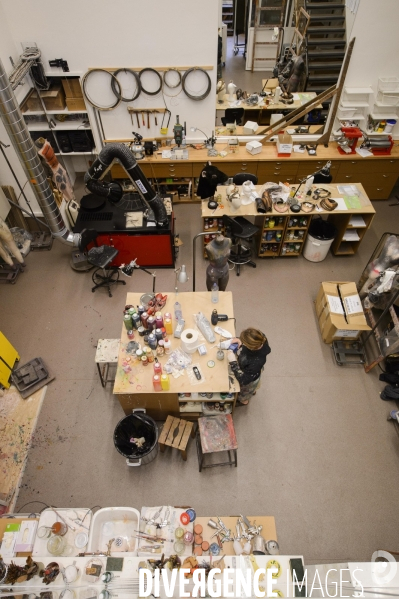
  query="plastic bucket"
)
[
  {"x": 389, "y": 126},
  {"x": 316, "y": 250},
  {"x": 136, "y": 426}
]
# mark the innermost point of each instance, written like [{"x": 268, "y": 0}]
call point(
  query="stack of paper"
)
[
  {"x": 351, "y": 235},
  {"x": 357, "y": 221}
]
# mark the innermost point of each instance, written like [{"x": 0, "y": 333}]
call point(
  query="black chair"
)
[
  {"x": 240, "y": 228},
  {"x": 240, "y": 178},
  {"x": 101, "y": 257},
  {"x": 233, "y": 115},
  {"x": 321, "y": 179}
]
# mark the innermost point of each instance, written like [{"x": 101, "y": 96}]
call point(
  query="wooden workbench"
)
[
  {"x": 377, "y": 174},
  {"x": 340, "y": 218},
  {"x": 18, "y": 420},
  {"x": 272, "y": 106},
  {"x": 135, "y": 389},
  {"x": 268, "y": 532}
]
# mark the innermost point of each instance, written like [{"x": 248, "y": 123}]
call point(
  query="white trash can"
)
[{"x": 316, "y": 250}]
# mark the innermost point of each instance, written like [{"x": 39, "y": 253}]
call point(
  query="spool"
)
[{"x": 189, "y": 341}]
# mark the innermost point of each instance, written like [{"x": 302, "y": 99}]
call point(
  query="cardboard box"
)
[
  {"x": 54, "y": 98},
  {"x": 75, "y": 103},
  {"x": 339, "y": 311},
  {"x": 254, "y": 147},
  {"x": 250, "y": 128},
  {"x": 284, "y": 144},
  {"x": 72, "y": 88}
]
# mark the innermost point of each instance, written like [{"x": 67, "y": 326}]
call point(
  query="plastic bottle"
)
[
  {"x": 156, "y": 381},
  {"x": 157, "y": 367},
  {"x": 168, "y": 326},
  {"x": 178, "y": 311},
  {"x": 159, "y": 320},
  {"x": 158, "y": 334},
  {"x": 127, "y": 319},
  {"x": 215, "y": 293},
  {"x": 165, "y": 382},
  {"x": 167, "y": 345}
]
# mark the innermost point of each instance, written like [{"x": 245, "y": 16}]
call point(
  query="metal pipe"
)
[
  {"x": 26, "y": 151},
  {"x": 194, "y": 257}
]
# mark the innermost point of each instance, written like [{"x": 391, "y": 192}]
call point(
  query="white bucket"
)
[
  {"x": 389, "y": 126},
  {"x": 316, "y": 250}
]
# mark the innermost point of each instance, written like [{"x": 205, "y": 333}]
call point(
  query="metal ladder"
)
[{"x": 266, "y": 19}]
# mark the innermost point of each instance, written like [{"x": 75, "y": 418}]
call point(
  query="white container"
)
[
  {"x": 250, "y": 128},
  {"x": 387, "y": 99},
  {"x": 388, "y": 84},
  {"x": 346, "y": 113},
  {"x": 390, "y": 125},
  {"x": 119, "y": 523},
  {"x": 254, "y": 147},
  {"x": 316, "y": 250}
]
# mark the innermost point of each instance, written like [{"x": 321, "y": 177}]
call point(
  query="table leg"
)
[
  {"x": 199, "y": 452},
  {"x": 100, "y": 373},
  {"x": 184, "y": 454},
  {"x": 235, "y": 457},
  {"x": 161, "y": 447}
]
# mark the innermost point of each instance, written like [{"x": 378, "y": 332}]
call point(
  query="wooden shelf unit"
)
[
  {"x": 290, "y": 223},
  {"x": 341, "y": 247}
]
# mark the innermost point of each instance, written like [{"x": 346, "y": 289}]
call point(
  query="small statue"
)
[
  {"x": 218, "y": 252},
  {"x": 8, "y": 246}
]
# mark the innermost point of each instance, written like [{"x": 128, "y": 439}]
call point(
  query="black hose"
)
[{"x": 135, "y": 174}]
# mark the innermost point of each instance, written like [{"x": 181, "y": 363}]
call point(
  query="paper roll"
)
[{"x": 189, "y": 341}]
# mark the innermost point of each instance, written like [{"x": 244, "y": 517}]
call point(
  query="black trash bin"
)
[
  {"x": 321, "y": 234},
  {"x": 136, "y": 426}
]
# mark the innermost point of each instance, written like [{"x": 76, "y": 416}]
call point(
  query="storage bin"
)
[
  {"x": 387, "y": 99},
  {"x": 346, "y": 113},
  {"x": 390, "y": 84}
]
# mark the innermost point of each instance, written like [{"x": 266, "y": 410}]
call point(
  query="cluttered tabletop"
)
[{"x": 133, "y": 377}]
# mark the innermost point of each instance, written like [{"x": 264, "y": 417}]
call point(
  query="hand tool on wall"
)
[
  {"x": 143, "y": 118},
  {"x": 148, "y": 118},
  {"x": 164, "y": 130},
  {"x": 138, "y": 120},
  {"x": 155, "y": 117}
]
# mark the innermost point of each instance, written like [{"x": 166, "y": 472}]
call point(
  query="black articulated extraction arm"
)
[{"x": 114, "y": 191}]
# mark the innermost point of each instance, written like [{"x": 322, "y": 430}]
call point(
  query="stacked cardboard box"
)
[
  {"x": 340, "y": 312},
  {"x": 73, "y": 94}
]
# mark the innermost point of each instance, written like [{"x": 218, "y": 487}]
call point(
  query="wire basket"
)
[
  {"x": 388, "y": 84},
  {"x": 385, "y": 99}
]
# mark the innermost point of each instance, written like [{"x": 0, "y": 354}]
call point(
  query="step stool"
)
[
  {"x": 176, "y": 433},
  {"x": 107, "y": 353}
]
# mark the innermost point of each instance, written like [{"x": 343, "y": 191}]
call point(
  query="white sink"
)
[{"x": 119, "y": 523}]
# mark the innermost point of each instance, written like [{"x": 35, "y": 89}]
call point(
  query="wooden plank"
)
[
  {"x": 186, "y": 435},
  {"x": 175, "y": 424},
  {"x": 176, "y": 442},
  {"x": 165, "y": 430},
  {"x": 137, "y": 69},
  {"x": 18, "y": 419}
]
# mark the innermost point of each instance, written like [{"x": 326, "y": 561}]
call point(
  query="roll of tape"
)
[{"x": 189, "y": 341}]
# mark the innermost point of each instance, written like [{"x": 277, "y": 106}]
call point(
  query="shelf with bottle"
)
[
  {"x": 269, "y": 254},
  {"x": 298, "y": 222},
  {"x": 291, "y": 249},
  {"x": 276, "y": 223}
]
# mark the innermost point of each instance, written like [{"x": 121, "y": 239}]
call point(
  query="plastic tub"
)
[
  {"x": 136, "y": 426},
  {"x": 320, "y": 237},
  {"x": 390, "y": 125},
  {"x": 387, "y": 99}
]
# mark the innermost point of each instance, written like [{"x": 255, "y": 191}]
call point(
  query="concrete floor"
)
[{"x": 315, "y": 448}]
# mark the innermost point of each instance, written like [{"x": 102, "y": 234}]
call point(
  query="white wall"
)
[
  {"x": 127, "y": 33},
  {"x": 9, "y": 49},
  {"x": 376, "y": 49}
]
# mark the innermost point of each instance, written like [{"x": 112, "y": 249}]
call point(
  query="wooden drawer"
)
[
  {"x": 285, "y": 168},
  {"x": 378, "y": 186},
  {"x": 357, "y": 167},
  {"x": 118, "y": 172},
  {"x": 311, "y": 166},
  {"x": 386, "y": 165},
  {"x": 173, "y": 169},
  {"x": 229, "y": 168}
]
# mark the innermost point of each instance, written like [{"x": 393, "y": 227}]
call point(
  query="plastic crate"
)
[
  {"x": 346, "y": 113},
  {"x": 385, "y": 99},
  {"x": 388, "y": 84}
]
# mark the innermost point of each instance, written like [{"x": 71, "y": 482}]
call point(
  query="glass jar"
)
[
  {"x": 178, "y": 547},
  {"x": 59, "y": 528},
  {"x": 188, "y": 538},
  {"x": 179, "y": 533},
  {"x": 56, "y": 545}
]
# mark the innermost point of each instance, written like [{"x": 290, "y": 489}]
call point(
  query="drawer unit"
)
[
  {"x": 173, "y": 169},
  {"x": 277, "y": 171},
  {"x": 378, "y": 186},
  {"x": 386, "y": 165}
]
